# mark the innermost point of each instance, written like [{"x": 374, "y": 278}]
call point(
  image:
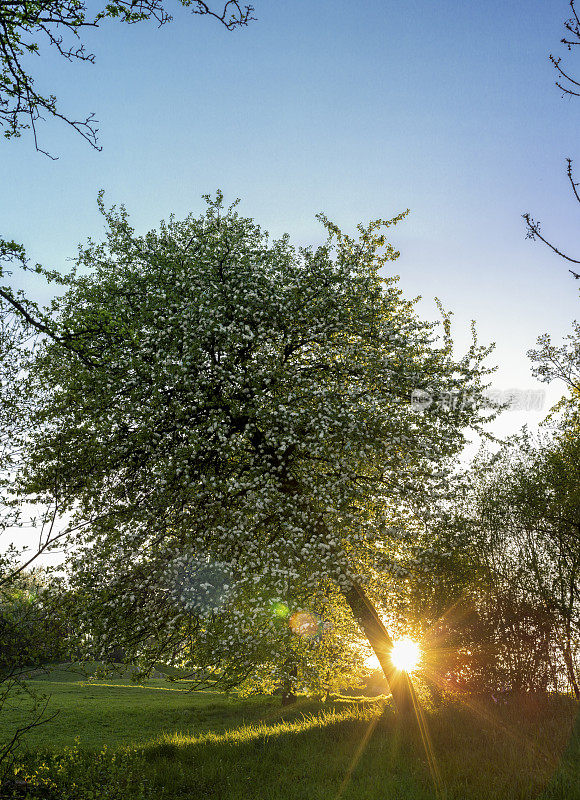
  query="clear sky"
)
[{"x": 359, "y": 110}]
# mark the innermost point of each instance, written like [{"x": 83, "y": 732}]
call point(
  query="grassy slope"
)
[{"x": 203, "y": 745}]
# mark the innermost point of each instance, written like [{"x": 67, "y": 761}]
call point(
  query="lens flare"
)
[
  {"x": 304, "y": 624},
  {"x": 406, "y": 655},
  {"x": 279, "y": 609}
]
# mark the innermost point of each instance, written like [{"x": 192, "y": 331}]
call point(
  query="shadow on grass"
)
[{"x": 520, "y": 750}]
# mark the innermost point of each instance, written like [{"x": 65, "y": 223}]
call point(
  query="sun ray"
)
[
  {"x": 427, "y": 742},
  {"x": 360, "y": 750},
  {"x": 480, "y": 710}
]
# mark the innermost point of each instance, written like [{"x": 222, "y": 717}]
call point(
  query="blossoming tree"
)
[{"x": 233, "y": 416}]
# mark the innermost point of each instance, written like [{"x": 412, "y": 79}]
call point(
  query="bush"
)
[{"x": 76, "y": 774}]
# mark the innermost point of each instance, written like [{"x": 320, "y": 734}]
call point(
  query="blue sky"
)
[{"x": 358, "y": 110}]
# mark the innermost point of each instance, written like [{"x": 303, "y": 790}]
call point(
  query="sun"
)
[{"x": 406, "y": 655}]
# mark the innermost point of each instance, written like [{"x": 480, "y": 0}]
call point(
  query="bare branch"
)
[
  {"x": 24, "y": 26},
  {"x": 534, "y": 232}
]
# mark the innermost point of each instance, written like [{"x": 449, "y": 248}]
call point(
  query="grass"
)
[
  {"x": 206, "y": 746},
  {"x": 115, "y": 712}
]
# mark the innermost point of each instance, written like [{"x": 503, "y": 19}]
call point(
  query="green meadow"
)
[{"x": 115, "y": 739}]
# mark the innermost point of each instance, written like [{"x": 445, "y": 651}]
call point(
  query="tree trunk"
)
[
  {"x": 288, "y": 692},
  {"x": 379, "y": 639},
  {"x": 368, "y": 619}
]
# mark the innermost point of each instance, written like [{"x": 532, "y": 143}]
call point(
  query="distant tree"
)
[
  {"x": 33, "y": 635},
  {"x": 561, "y": 363},
  {"x": 26, "y": 25},
  {"x": 526, "y": 514},
  {"x": 492, "y": 640},
  {"x": 558, "y": 363},
  {"x": 479, "y": 632},
  {"x": 32, "y": 631},
  {"x": 236, "y": 420}
]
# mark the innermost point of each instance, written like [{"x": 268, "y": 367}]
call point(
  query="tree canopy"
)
[
  {"x": 527, "y": 514},
  {"x": 239, "y": 408}
]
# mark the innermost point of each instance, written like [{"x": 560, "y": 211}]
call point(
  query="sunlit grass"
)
[
  {"x": 363, "y": 751},
  {"x": 211, "y": 747},
  {"x": 266, "y": 731}
]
